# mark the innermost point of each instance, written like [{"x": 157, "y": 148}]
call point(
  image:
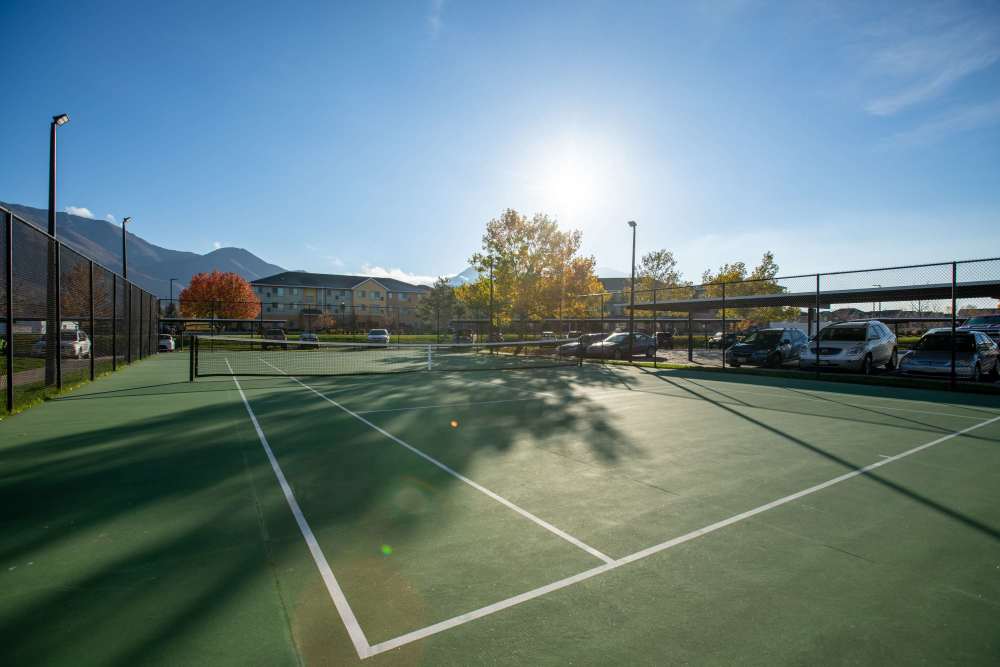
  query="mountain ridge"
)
[{"x": 150, "y": 266}]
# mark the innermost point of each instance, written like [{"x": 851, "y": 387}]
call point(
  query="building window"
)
[{"x": 279, "y": 291}]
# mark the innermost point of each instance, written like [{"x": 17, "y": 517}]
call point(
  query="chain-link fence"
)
[
  {"x": 930, "y": 320},
  {"x": 102, "y": 320}
]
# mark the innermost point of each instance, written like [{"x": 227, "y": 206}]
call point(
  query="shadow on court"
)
[
  {"x": 144, "y": 532},
  {"x": 944, "y": 510}
]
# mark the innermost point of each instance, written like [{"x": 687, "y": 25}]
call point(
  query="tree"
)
[
  {"x": 220, "y": 295},
  {"x": 535, "y": 267},
  {"x": 739, "y": 282},
  {"x": 658, "y": 269},
  {"x": 440, "y": 306}
]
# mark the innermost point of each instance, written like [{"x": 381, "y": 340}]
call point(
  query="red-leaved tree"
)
[{"x": 221, "y": 295}]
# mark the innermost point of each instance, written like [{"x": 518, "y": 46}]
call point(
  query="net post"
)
[
  {"x": 93, "y": 331},
  {"x": 429, "y": 364},
  {"x": 9, "y": 231},
  {"x": 191, "y": 347}
]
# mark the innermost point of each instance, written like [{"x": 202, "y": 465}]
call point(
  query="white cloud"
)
[
  {"x": 81, "y": 211},
  {"x": 216, "y": 244},
  {"x": 398, "y": 274},
  {"x": 110, "y": 218},
  {"x": 434, "y": 18},
  {"x": 929, "y": 59},
  {"x": 959, "y": 119},
  {"x": 334, "y": 261}
]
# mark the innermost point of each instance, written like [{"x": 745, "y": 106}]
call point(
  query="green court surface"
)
[{"x": 575, "y": 515}]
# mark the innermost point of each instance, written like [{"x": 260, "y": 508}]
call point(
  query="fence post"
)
[
  {"x": 58, "y": 306},
  {"x": 722, "y": 343},
  {"x": 114, "y": 322},
  {"x": 93, "y": 331},
  {"x": 10, "y": 311},
  {"x": 690, "y": 335},
  {"x": 191, "y": 347},
  {"x": 817, "y": 326},
  {"x": 128, "y": 312},
  {"x": 656, "y": 332},
  {"x": 954, "y": 315}
]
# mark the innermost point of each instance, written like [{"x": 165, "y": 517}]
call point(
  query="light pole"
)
[
  {"x": 125, "y": 221},
  {"x": 53, "y": 372},
  {"x": 879, "y": 303},
  {"x": 631, "y": 296},
  {"x": 172, "y": 280}
]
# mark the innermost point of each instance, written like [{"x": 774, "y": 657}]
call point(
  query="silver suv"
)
[{"x": 856, "y": 346}]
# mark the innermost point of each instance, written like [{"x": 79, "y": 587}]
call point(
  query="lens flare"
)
[
  {"x": 454, "y": 423},
  {"x": 386, "y": 550}
]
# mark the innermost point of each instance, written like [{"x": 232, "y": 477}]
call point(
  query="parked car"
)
[
  {"x": 166, "y": 343},
  {"x": 378, "y": 336},
  {"x": 578, "y": 348},
  {"x": 856, "y": 346},
  {"x": 308, "y": 341},
  {"x": 271, "y": 335},
  {"x": 72, "y": 344},
  {"x": 988, "y": 324},
  {"x": 665, "y": 340},
  {"x": 615, "y": 346},
  {"x": 977, "y": 356},
  {"x": 716, "y": 340},
  {"x": 767, "y": 347},
  {"x": 548, "y": 335}
]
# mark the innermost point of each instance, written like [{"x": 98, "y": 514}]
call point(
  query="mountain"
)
[
  {"x": 605, "y": 272},
  {"x": 149, "y": 266},
  {"x": 470, "y": 275}
]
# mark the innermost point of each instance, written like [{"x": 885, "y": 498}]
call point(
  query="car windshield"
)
[
  {"x": 617, "y": 338},
  {"x": 759, "y": 338},
  {"x": 591, "y": 338},
  {"x": 942, "y": 343},
  {"x": 378, "y": 332},
  {"x": 983, "y": 319},
  {"x": 843, "y": 333}
]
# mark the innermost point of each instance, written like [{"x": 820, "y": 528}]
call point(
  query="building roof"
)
[{"x": 333, "y": 281}]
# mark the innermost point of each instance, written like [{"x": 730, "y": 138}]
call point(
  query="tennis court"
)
[{"x": 548, "y": 514}]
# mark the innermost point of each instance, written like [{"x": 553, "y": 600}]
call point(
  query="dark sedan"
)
[
  {"x": 768, "y": 347},
  {"x": 615, "y": 346},
  {"x": 987, "y": 324},
  {"x": 579, "y": 347}
]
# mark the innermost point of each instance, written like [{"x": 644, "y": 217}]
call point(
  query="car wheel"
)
[
  {"x": 734, "y": 364},
  {"x": 890, "y": 365},
  {"x": 977, "y": 374},
  {"x": 774, "y": 360},
  {"x": 618, "y": 355},
  {"x": 994, "y": 373},
  {"x": 651, "y": 353},
  {"x": 866, "y": 365}
]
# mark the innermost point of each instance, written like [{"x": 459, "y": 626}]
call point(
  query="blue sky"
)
[{"x": 382, "y": 136}]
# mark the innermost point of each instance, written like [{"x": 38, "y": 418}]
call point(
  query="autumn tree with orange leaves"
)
[{"x": 220, "y": 295}]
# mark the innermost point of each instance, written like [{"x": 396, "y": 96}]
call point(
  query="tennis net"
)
[{"x": 218, "y": 355}]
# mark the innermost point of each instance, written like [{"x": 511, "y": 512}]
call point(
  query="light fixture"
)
[{"x": 61, "y": 119}]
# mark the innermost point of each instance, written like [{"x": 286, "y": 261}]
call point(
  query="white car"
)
[
  {"x": 73, "y": 344},
  {"x": 167, "y": 343},
  {"x": 379, "y": 336},
  {"x": 856, "y": 346}
]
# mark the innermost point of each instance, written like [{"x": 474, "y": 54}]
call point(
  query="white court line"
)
[
  {"x": 354, "y": 630},
  {"x": 645, "y": 553},
  {"x": 478, "y": 487}
]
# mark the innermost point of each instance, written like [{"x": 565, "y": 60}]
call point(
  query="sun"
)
[{"x": 570, "y": 182}]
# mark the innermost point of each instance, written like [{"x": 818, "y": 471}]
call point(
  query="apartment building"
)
[{"x": 331, "y": 301}]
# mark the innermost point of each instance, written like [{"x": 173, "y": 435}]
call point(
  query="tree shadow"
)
[
  {"x": 162, "y": 505},
  {"x": 933, "y": 505}
]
